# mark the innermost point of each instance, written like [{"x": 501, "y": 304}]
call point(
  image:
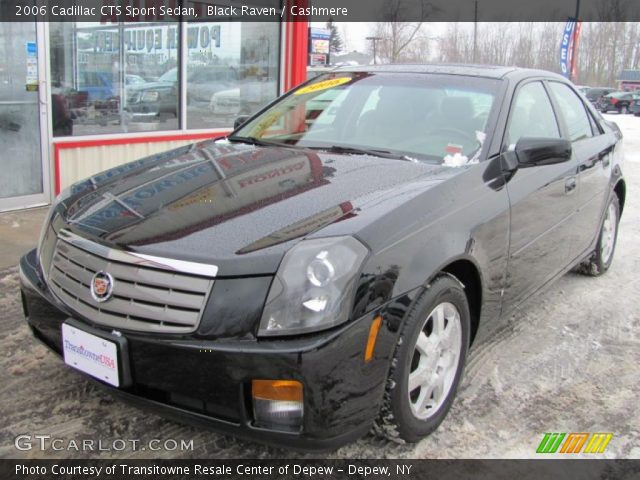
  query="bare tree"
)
[
  {"x": 400, "y": 40},
  {"x": 604, "y": 48}
]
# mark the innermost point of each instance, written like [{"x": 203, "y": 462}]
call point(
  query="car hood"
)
[
  {"x": 150, "y": 86},
  {"x": 237, "y": 206}
]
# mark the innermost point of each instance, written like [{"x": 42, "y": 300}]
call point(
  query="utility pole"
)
[
  {"x": 373, "y": 40},
  {"x": 475, "y": 31}
]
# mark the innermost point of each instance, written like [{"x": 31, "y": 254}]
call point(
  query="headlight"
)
[
  {"x": 313, "y": 287},
  {"x": 150, "y": 96}
]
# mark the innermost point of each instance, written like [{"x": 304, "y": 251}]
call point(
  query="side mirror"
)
[
  {"x": 535, "y": 151},
  {"x": 239, "y": 121}
]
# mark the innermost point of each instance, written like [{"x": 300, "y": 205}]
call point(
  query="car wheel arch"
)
[{"x": 466, "y": 271}]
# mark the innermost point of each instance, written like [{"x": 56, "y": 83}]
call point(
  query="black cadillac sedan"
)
[{"x": 324, "y": 269}]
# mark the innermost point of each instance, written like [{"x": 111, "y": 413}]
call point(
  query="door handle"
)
[{"x": 570, "y": 185}]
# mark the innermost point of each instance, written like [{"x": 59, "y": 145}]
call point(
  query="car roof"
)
[{"x": 487, "y": 71}]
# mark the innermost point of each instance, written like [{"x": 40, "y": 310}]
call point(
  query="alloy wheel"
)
[
  {"x": 608, "y": 234},
  {"x": 435, "y": 360}
]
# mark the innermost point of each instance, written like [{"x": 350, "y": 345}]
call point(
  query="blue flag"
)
[{"x": 566, "y": 47}]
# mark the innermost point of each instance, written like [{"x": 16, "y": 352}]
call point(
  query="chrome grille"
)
[{"x": 150, "y": 294}]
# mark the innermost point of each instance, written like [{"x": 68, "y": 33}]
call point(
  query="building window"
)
[
  {"x": 114, "y": 79},
  {"x": 125, "y": 77},
  {"x": 232, "y": 69}
]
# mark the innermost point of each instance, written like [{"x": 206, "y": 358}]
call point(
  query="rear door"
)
[
  {"x": 543, "y": 199},
  {"x": 592, "y": 149}
]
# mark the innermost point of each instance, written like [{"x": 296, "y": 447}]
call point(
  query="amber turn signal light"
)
[
  {"x": 373, "y": 336},
  {"x": 277, "y": 390}
]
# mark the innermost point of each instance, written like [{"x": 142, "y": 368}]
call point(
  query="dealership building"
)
[{"x": 77, "y": 98}]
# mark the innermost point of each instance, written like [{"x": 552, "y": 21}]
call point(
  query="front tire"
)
[
  {"x": 602, "y": 257},
  {"x": 428, "y": 362}
]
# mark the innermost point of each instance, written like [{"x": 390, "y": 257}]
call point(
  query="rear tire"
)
[
  {"x": 428, "y": 362},
  {"x": 601, "y": 258}
]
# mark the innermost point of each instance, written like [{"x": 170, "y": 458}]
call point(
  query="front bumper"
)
[{"x": 208, "y": 381}]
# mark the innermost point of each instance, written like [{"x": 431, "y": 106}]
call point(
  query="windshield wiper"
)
[
  {"x": 374, "y": 152},
  {"x": 254, "y": 141}
]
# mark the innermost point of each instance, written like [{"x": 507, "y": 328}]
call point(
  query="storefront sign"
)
[
  {"x": 140, "y": 39},
  {"x": 319, "y": 40},
  {"x": 32, "y": 67},
  {"x": 317, "y": 59}
]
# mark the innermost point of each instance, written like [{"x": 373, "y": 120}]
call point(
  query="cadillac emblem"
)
[{"x": 101, "y": 286}]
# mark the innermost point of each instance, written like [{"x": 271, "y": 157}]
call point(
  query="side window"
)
[
  {"x": 572, "y": 110},
  {"x": 595, "y": 129},
  {"x": 531, "y": 115}
]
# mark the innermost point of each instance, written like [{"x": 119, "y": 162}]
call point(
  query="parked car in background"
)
[
  {"x": 248, "y": 97},
  {"x": 617, "y": 101},
  {"x": 154, "y": 100},
  {"x": 158, "y": 100},
  {"x": 226, "y": 102},
  {"x": 203, "y": 82},
  {"x": 97, "y": 99},
  {"x": 130, "y": 80},
  {"x": 98, "y": 86},
  {"x": 593, "y": 94},
  {"x": 635, "y": 107},
  {"x": 310, "y": 277}
]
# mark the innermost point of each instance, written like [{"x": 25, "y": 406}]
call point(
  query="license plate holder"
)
[{"x": 102, "y": 355}]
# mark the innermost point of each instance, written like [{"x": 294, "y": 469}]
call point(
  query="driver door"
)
[{"x": 543, "y": 199}]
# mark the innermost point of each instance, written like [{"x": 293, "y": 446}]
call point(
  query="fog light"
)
[{"x": 278, "y": 404}]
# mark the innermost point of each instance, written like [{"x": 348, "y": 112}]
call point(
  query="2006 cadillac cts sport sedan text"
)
[{"x": 325, "y": 268}]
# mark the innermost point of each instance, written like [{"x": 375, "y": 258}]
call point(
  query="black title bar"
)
[
  {"x": 317, "y": 469},
  {"x": 112, "y": 11}
]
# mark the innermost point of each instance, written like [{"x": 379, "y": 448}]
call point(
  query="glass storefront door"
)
[{"x": 24, "y": 178}]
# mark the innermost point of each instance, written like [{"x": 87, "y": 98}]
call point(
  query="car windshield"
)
[{"x": 423, "y": 117}]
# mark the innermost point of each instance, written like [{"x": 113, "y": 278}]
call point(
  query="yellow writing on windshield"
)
[{"x": 324, "y": 85}]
